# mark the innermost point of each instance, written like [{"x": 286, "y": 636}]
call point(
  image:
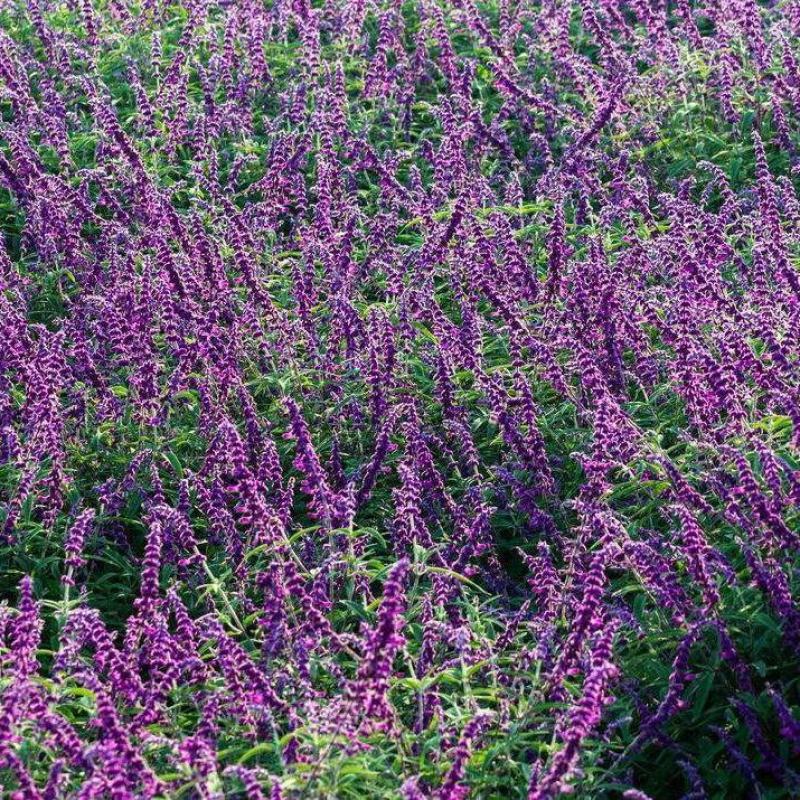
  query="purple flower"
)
[
  {"x": 74, "y": 544},
  {"x": 369, "y": 688},
  {"x": 25, "y": 631},
  {"x": 452, "y": 787}
]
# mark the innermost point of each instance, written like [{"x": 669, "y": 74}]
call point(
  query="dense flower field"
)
[{"x": 399, "y": 399}]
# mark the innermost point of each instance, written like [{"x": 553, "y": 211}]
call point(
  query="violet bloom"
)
[
  {"x": 315, "y": 481},
  {"x": 452, "y": 787},
  {"x": 789, "y": 725},
  {"x": 581, "y": 719},
  {"x": 368, "y": 690},
  {"x": 74, "y": 544}
]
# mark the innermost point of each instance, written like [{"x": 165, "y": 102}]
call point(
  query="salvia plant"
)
[{"x": 399, "y": 399}]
